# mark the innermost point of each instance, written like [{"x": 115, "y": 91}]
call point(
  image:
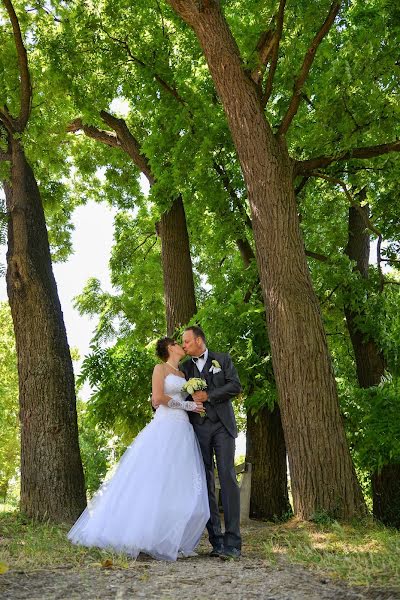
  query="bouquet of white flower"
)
[{"x": 195, "y": 384}]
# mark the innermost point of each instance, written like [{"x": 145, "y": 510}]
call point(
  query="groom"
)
[{"x": 216, "y": 433}]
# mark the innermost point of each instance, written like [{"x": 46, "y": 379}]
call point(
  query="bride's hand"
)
[{"x": 199, "y": 407}]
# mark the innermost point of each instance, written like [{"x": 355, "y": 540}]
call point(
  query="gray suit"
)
[{"x": 216, "y": 434}]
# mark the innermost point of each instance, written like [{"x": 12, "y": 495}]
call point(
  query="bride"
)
[{"x": 156, "y": 502}]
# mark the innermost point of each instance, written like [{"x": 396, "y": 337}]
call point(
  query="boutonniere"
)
[{"x": 215, "y": 367}]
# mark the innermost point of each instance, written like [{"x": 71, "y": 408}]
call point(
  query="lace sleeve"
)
[{"x": 177, "y": 402}]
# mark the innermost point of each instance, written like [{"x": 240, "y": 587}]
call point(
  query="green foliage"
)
[
  {"x": 375, "y": 426},
  {"x": 100, "y": 448},
  {"x": 121, "y": 379},
  {"x": 44, "y": 137},
  {"x": 96, "y": 449}
]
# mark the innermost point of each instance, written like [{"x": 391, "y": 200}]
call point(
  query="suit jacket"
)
[{"x": 221, "y": 388}]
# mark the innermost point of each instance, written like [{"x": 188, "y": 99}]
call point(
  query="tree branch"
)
[
  {"x": 149, "y": 249},
  {"x": 106, "y": 137},
  {"x": 148, "y": 236},
  {"x": 275, "y": 53},
  {"x": 5, "y": 155},
  {"x": 7, "y": 120},
  {"x": 390, "y": 281},
  {"x": 330, "y": 296},
  {"x": 263, "y": 49},
  {"x": 164, "y": 84},
  {"x": 120, "y": 138},
  {"x": 129, "y": 143},
  {"x": 25, "y": 82},
  {"x": 301, "y": 185},
  {"x": 304, "y": 166},
  {"x": 378, "y": 263},
  {"x": 316, "y": 256},
  {"x": 391, "y": 260},
  {"x": 232, "y": 193},
  {"x": 306, "y": 66},
  {"x": 368, "y": 223}
]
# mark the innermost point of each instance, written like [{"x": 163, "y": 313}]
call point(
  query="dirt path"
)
[{"x": 199, "y": 578}]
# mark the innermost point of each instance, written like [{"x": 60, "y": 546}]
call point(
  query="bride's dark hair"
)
[{"x": 162, "y": 347}]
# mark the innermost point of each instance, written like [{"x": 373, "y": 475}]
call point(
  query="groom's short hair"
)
[{"x": 197, "y": 332}]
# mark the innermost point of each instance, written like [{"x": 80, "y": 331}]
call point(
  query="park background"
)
[{"x": 271, "y": 217}]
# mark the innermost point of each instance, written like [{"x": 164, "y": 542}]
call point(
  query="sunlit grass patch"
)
[{"x": 361, "y": 553}]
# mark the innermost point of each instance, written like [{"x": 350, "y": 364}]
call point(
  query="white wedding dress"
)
[{"x": 156, "y": 502}]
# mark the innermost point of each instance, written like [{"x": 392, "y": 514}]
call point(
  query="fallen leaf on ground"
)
[
  {"x": 3, "y": 568},
  {"x": 107, "y": 564}
]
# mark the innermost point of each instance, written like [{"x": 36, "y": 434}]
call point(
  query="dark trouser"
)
[{"x": 213, "y": 437}]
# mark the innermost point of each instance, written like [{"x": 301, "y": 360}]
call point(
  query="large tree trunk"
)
[
  {"x": 266, "y": 451},
  {"x": 52, "y": 482},
  {"x": 180, "y": 301},
  {"x": 370, "y": 365},
  {"x": 322, "y": 473}
]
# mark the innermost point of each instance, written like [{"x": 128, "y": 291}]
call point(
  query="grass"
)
[
  {"x": 366, "y": 554},
  {"x": 27, "y": 545},
  {"x": 363, "y": 554}
]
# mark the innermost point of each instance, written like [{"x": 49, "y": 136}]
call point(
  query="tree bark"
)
[
  {"x": 266, "y": 451},
  {"x": 323, "y": 476},
  {"x": 52, "y": 481},
  {"x": 386, "y": 495},
  {"x": 180, "y": 301},
  {"x": 370, "y": 365},
  {"x": 370, "y": 361}
]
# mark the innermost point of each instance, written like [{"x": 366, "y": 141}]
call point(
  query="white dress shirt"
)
[{"x": 201, "y": 361}]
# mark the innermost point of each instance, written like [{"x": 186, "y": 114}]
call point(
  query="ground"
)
[{"x": 259, "y": 574}]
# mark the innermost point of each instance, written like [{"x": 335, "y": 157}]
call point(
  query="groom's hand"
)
[{"x": 200, "y": 396}]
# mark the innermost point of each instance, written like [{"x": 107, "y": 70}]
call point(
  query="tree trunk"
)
[
  {"x": 266, "y": 451},
  {"x": 180, "y": 301},
  {"x": 246, "y": 251},
  {"x": 386, "y": 495},
  {"x": 370, "y": 364},
  {"x": 322, "y": 473},
  {"x": 52, "y": 482}
]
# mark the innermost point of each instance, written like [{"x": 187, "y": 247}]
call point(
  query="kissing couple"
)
[{"x": 162, "y": 494}]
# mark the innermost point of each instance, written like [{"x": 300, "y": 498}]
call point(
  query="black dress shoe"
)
[
  {"x": 217, "y": 551},
  {"x": 230, "y": 553}
]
